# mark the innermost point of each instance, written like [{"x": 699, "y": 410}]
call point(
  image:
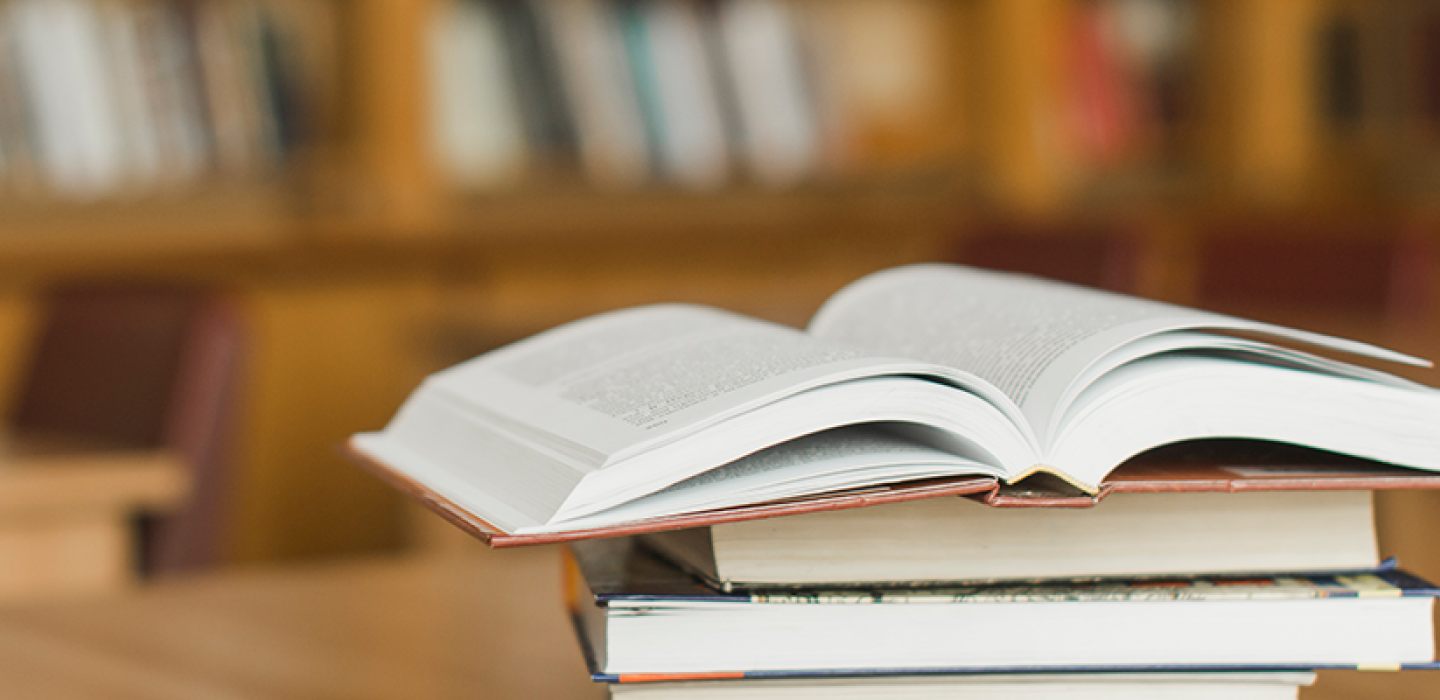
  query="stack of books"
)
[
  {"x": 923, "y": 494},
  {"x": 951, "y": 598}
]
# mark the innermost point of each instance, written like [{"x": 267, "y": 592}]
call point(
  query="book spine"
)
[
  {"x": 593, "y": 67},
  {"x": 477, "y": 134}
]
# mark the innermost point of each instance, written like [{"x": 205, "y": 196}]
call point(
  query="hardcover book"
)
[
  {"x": 958, "y": 539},
  {"x": 1032, "y": 686},
  {"x": 918, "y": 381},
  {"x": 643, "y": 619}
]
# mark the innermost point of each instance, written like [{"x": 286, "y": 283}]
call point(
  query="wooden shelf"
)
[
  {"x": 584, "y": 212},
  {"x": 63, "y": 236}
]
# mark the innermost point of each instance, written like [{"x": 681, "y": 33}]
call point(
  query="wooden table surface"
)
[
  {"x": 475, "y": 624},
  {"x": 487, "y": 625},
  {"x": 67, "y": 513}
]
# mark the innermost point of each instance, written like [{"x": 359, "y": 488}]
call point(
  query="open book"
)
[{"x": 913, "y": 374}]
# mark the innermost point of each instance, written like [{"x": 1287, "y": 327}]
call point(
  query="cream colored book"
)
[{"x": 958, "y": 539}]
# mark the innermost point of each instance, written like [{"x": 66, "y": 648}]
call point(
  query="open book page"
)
[
  {"x": 611, "y": 386},
  {"x": 933, "y": 413},
  {"x": 1034, "y": 339},
  {"x": 856, "y": 456},
  {"x": 602, "y": 411},
  {"x": 1130, "y": 410}
]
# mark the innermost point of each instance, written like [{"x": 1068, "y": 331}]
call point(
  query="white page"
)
[
  {"x": 1030, "y": 337},
  {"x": 1131, "y": 410},
  {"x": 532, "y": 429},
  {"x": 611, "y": 385},
  {"x": 844, "y": 458},
  {"x": 963, "y": 424}
]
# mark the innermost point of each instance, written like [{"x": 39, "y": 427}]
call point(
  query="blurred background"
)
[{"x": 330, "y": 199}]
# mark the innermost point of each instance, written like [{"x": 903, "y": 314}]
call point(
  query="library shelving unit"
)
[
  {"x": 1258, "y": 156},
  {"x": 1266, "y": 157}
]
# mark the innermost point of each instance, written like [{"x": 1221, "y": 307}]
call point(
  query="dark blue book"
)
[{"x": 641, "y": 619}]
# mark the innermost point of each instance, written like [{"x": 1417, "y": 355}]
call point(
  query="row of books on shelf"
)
[
  {"x": 694, "y": 94},
  {"x": 114, "y": 97},
  {"x": 954, "y": 483},
  {"x": 703, "y": 92},
  {"x": 99, "y": 97},
  {"x": 1139, "y": 77},
  {"x": 1129, "y": 67}
]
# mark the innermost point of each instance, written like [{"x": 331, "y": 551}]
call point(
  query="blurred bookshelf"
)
[
  {"x": 417, "y": 180},
  {"x": 261, "y": 125}
]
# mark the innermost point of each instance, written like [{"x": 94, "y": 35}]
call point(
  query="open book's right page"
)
[{"x": 1039, "y": 341}]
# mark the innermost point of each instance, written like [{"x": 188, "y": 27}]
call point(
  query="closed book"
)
[
  {"x": 173, "y": 88},
  {"x": 642, "y": 617},
  {"x": 476, "y": 128},
  {"x": 678, "y": 97},
  {"x": 18, "y": 169},
  {"x": 134, "y": 106},
  {"x": 600, "y": 90},
  {"x": 779, "y": 134},
  {"x": 228, "y": 87},
  {"x": 63, "y": 69},
  {"x": 959, "y": 539},
  {"x": 529, "y": 45},
  {"x": 1030, "y": 686}
]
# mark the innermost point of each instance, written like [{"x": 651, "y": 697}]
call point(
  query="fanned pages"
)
[{"x": 923, "y": 372}]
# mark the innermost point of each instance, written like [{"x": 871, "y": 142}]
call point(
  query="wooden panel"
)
[
  {"x": 522, "y": 289},
  {"x": 1344, "y": 275},
  {"x": 1018, "y": 86},
  {"x": 328, "y": 360},
  {"x": 212, "y": 220},
  {"x": 1357, "y": 685},
  {"x": 386, "y": 117},
  {"x": 17, "y": 323},
  {"x": 1096, "y": 258},
  {"x": 1259, "y": 63}
]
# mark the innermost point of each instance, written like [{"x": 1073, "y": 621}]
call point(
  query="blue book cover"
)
[{"x": 622, "y": 592}]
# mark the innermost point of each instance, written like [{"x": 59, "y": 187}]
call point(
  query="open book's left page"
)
[{"x": 589, "y": 415}]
